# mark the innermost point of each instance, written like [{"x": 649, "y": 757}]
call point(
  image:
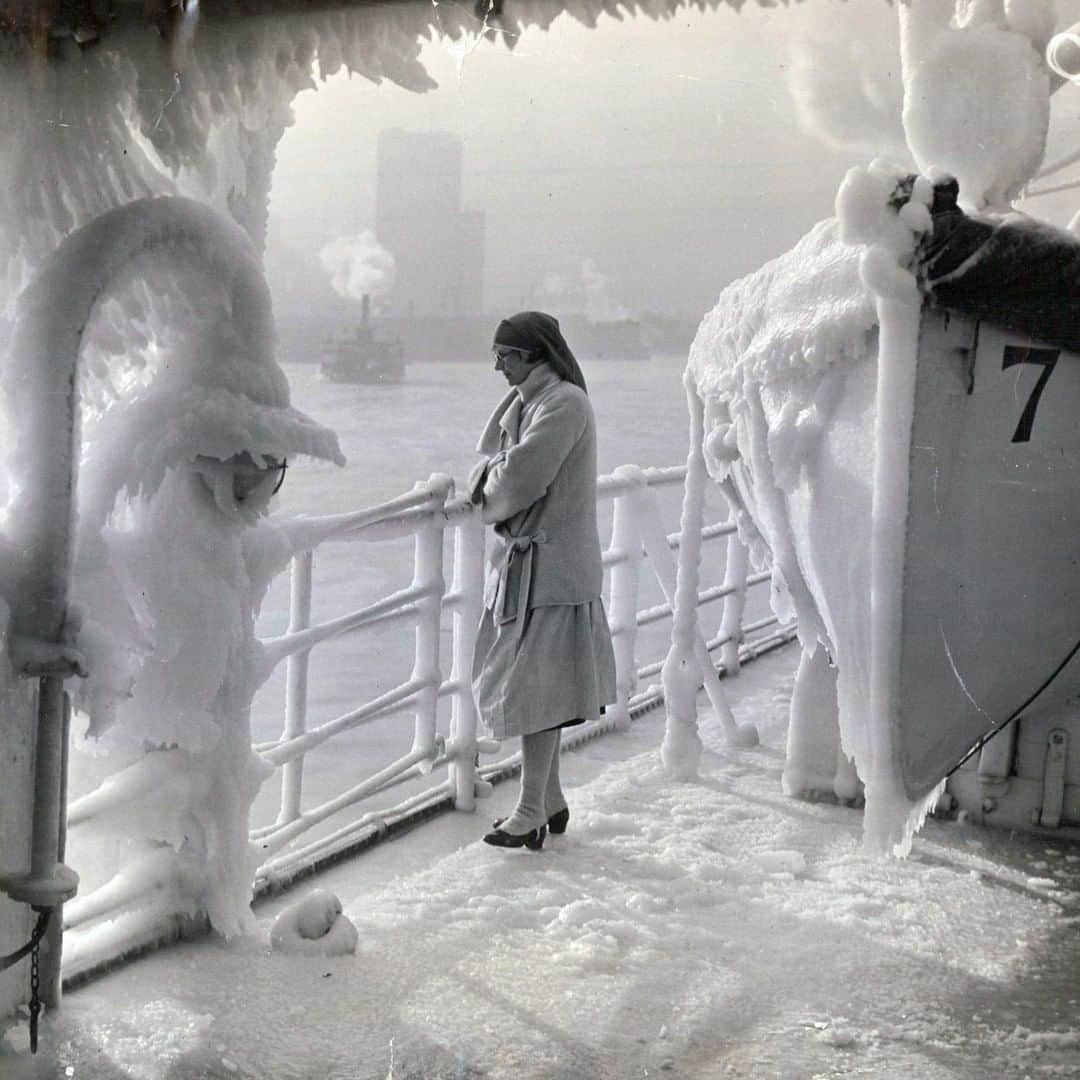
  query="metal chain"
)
[
  {"x": 32, "y": 948},
  {"x": 24, "y": 950},
  {"x": 35, "y": 996}
]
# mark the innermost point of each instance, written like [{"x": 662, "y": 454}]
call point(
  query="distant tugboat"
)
[{"x": 362, "y": 358}]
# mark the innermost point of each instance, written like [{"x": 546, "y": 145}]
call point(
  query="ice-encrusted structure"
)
[
  {"x": 807, "y": 371},
  {"x": 187, "y": 420},
  {"x": 792, "y": 364},
  {"x": 977, "y": 92}
]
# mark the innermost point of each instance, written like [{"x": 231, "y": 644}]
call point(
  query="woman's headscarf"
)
[{"x": 540, "y": 334}]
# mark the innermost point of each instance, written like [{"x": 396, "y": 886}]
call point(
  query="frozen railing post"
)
[
  {"x": 428, "y": 576},
  {"x": 688, "y": 663},
  {"x": 296, "y": 686},
  {"x": 468, "y": 593},
  {"x": 623, "y": 596},
  {"x": 735, "y": 570}
]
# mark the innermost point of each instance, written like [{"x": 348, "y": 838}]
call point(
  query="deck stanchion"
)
[
  {"x": 688, "y": 663},
  {"x": 469, "y": 585},
  {"x": 296, "y": 686},
  {"x": 428, "y": 575},
  {"x": 623, "y": 599},
  {"x": 735, "y": 570}
]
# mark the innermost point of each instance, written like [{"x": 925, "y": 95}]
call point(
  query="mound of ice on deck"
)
[
  {"x": 789, "y": 363},
  {"x": 314, "y": 926}
]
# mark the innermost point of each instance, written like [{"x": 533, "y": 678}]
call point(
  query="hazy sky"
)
[{"x": 667, "y": 153}]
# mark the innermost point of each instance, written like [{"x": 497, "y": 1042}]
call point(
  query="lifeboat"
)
[
  {"x": 990, "y": 638},
  {"x": 981, "y": 662}
]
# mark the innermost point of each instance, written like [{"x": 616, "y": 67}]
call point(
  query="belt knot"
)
[{"x": 517, "y": 547}]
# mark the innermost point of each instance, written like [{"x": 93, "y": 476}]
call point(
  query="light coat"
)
[{"x": 538, "y": 487}]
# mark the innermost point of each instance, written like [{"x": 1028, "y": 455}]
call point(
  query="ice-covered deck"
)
[{"x": 704, "y": 929}]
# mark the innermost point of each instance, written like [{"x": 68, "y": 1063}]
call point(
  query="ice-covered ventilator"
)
[{"x": 43, "y": 629}]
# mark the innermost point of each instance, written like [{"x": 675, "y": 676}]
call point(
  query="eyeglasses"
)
[{"x": 503, "y": 353}]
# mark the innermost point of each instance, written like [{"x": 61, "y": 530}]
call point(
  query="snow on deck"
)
[{"x": 704, "y": 929}]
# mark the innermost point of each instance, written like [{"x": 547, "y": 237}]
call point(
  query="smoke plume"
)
[{"x": 358, "y": 266}]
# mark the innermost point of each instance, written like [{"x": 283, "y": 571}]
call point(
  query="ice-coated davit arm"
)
[
  {"x": 41, "y": 392},
  {"x": 41, "y": 400}
]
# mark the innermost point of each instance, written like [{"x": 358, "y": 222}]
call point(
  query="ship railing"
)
[
  {"x": 441, "y": 523},
  {"x": 425, "y": 604}
]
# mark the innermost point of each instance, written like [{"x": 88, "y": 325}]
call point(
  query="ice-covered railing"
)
[
  {"x": 637, "y": 530},
  {"x": 119, "y": 917}
]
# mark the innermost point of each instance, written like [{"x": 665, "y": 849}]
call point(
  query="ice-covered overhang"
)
[
  {"x": 109, "y": 102},
  {"x": 92, "y": 20}
]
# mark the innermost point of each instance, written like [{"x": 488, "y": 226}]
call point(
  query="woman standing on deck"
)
[{"x": 543, "y": 655}]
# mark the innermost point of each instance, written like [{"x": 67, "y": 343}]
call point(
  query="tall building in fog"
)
[{"x": 438, "y": 246}]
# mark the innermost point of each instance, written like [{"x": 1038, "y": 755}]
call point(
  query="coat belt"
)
[{"x": 518, "y": 548}]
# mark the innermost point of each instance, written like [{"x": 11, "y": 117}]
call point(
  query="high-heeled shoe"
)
[
  {"x": 556, "y": 823},
  {"x": 533, "y": 840}
]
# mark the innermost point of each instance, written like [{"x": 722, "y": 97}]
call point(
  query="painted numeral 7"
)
[{"x": 1020, "y": 354}]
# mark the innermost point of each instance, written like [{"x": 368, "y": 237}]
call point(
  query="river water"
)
[{"x": 396, "y": 434}]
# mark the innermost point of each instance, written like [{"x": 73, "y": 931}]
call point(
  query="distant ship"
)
[{"x": 361, "y": 357}]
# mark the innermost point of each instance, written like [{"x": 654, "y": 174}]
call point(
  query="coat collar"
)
[
  {"x": 490, "y": 438},
  {"x": 538, "y": 380},
  {"x": 507, "y": 414}
]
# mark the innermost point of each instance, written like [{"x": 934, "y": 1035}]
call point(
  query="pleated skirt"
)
[{"x": 560, "y": 671}]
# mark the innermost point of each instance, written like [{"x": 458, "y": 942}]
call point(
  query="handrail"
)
[
  {"x": 706, "y": 596},
  {"x": 629, "y": 478},
  {"x": 277, "y": 839},
  {"x": 397, "y": 605},
  {"x": 288, "y": 749},
  {"x": 354, "y": 523}
]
